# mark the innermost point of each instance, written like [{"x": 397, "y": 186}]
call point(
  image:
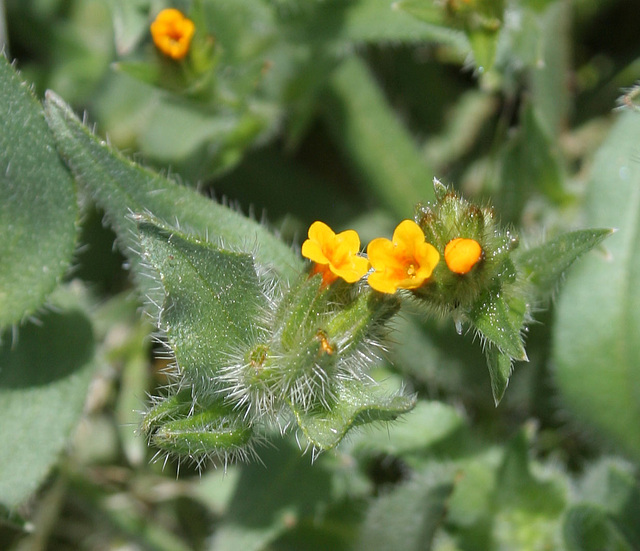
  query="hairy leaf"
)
[
  {"x": 500, "y": 323},
  {"x": 212, "y": 297},
  {"x": 544, "y": 265},
  {"x": 120, "y": 187},
  {"x": 38, "y": 207},
  {"x": 355, "y": 404}
]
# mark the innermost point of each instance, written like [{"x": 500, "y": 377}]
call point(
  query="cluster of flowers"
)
[{"x": 406, "y": 261}]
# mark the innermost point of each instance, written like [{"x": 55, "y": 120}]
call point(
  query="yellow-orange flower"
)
[
  {"x": 462, "y": 254},
  {"x": 172, "y": 33},
  {"x": 405, "y": 262},
  {"x": 335, "y": 255}
]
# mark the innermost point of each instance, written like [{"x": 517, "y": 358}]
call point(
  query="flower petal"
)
[
  {"x": 313, "y": 251},
  {"x": 380, "y": 282},
  {"x": 351, "y": 239},
  {"x": 354, "y": 271},
  {"x": 381, "y": 253},
  {"x": 408, "y": 235},
  {"x": 320, "y": 232}
]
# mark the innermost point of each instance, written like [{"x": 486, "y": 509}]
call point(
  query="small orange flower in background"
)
[
  {"x": 335, "y": 255},
  {"x": 461, "y": 254},
  {"x": 405, "y": 262},
  {"x": 172, "y": 33}
]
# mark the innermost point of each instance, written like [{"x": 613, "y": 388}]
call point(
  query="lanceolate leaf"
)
[
  {"x": 355, "y": 404},
  {"x": 500, "y": 324},
  {"x": 38, "y": 207},
  {"x": 544, "y": 265},
  {"x": 500, "y": 365},
  {"x": 120, "y": 187},
  {"x": 596, "y": 350},
  {"x": 212, "y": 297}
]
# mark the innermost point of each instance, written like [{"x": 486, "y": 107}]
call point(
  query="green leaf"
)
[
  {"x": 120, "y": 187},
  {"x": 530, "y": 164},
  {"x": 44, "y": 377},
  {"x": 408, "y": 517},
  {"x": 215, "y": 430},
  {"x": 500, "y": 366},
  {"x": 549, "y": 91},
  {"x": 212, "y": 297},
  {"x": 426, "y": 425},
  {"x": 519, "y": 486},
  {"x": 372, "y": 20},
  {"x": 355, "y": 404},
  {"x": 38, "y": 209},
  {"x": 596, "y": 347},
  {"x": 130, "y": 23},
  {"x": 500, "y": 323},
  {"x": 588, "y": 528},
  {"x": 426, "y": 10},
  {"x": 380, "y": 149},
  {"x": 544, "y": 265}
]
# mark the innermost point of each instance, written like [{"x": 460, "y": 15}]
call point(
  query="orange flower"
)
[
  {"x": 406, "y": 262},
  {"x": 172, "y": 33},
  {"x": 461, "y": 255},
  {"x": 335, "y": 255}
]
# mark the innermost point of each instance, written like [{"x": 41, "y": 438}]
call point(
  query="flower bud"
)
[{"x": 474, "y": 247}]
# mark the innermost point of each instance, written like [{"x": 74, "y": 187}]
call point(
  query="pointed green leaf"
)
[
  {"x": 544, "y": 265},
  {"x": 500, "y": 366},
  {"x": 346, "y": 23},
  {"x": 212, "y": 297},
  {"x": 44, "y": 378},
  {"x": 355, "y": 404},
  {"x": 408, "y": 517},
  {"x": 500, "y": 323},
  {"x": 38, "y": 207},
  {"x": 426, "y": 10},
  {"x": 596, "y": 345},
  {"x": 120, "y": 187},
  {"x": 426, "y": 425}
]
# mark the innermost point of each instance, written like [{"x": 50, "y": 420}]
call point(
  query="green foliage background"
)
[{"x": 342, "y": 111}]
